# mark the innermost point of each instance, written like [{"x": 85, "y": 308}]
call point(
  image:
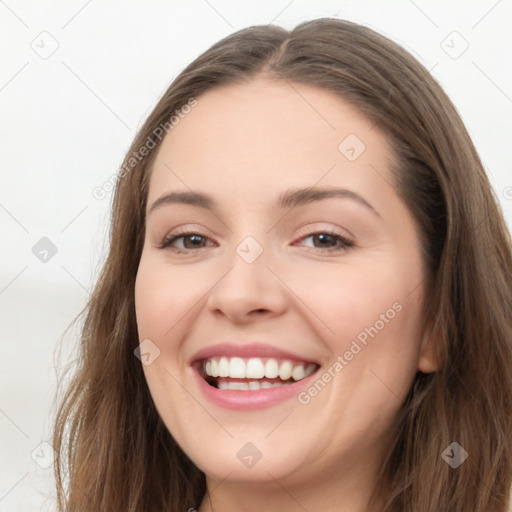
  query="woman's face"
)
[{"x": 299, "y": 256}]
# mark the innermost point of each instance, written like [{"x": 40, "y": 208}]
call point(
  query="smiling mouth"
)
[{"x": 239, "y": 374}]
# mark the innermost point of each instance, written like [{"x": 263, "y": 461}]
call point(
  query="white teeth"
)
[
  {"x": 246, "y": 386},
  {"x": 239, "y": 386},
  {"x": 236, "y": 368},
  {"x": 224, "y": 367},
  {"x": 309, "y": 370},
  {"x": 298, "y": 372},
  {"x": 214, "y": 368},
  {"x": 236, "y": 386},
  {"x": 256, "y": 368},
  {"x": 285, "y": 371},
  {"x": 271, "y": 369},
  {"x": 254, "y": 384}
]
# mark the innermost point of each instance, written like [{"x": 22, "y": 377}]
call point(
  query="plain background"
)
[{"x": 77, "y": 80}]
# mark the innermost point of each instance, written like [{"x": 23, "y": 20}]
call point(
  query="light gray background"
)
[{"x": 69, "y": 117}]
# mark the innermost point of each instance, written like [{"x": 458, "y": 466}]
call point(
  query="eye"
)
[
  {"x": 328, "y": 241},
  {"x": 325, "y": 241},
  {"x": 188, "y": 241}
]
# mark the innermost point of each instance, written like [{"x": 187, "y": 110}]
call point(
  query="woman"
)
[{"x": 310, "y": 266}]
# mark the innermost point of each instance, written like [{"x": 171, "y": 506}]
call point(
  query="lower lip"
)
[{"x": 253, "y": 398}]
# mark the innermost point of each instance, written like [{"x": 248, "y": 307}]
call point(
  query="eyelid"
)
[
  {"x": 188, "y": 229},
  {"x": 325, "y": 227}
]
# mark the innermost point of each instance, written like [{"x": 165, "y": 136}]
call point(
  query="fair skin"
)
[{"x": 244, "y": 145}]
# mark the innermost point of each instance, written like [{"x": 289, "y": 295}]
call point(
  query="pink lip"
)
[
  {"x": 246, "y": 351},
  {"x": 251, "y": 399}
]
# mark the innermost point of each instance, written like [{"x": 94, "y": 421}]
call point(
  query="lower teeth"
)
[{"x": 251, "y": 385}]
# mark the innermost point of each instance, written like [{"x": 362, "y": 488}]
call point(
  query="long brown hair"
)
[{"x": 114, "y": 452}]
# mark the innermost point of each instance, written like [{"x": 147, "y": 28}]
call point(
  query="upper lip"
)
[{"x": 246, "y": 351}]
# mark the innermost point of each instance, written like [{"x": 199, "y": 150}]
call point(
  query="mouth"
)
[{"x": 252, "y": 374}]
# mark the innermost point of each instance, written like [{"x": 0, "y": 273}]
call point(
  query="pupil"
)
[
  {"x": 194, "y": 239},
  {"x": 324, "y": 238}
]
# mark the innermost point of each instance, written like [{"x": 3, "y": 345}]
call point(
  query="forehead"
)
[{"x": 270, "y": 134}]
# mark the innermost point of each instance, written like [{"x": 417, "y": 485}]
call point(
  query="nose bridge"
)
[
  {"x": 248, "y": 260},
  {"x": 248, "y": 285},
  {"x": 250, "y": 250}
]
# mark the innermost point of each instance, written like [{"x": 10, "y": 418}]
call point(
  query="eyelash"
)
[{"x": 345, "y": 243}]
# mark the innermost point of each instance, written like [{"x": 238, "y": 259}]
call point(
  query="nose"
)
[{"x": 248, "y": 291}]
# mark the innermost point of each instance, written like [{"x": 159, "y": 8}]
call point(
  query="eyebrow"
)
[{"x": 287, "y": 200}]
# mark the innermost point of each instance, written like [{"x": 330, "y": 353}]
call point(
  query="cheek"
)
[
  {"x": 344, "y": 300},
  {"x": 163, "y": 296},
  {"x": 371, "y": 319}
]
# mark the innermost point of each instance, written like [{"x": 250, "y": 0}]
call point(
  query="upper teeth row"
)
[{"x": 256, "y": 368}]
